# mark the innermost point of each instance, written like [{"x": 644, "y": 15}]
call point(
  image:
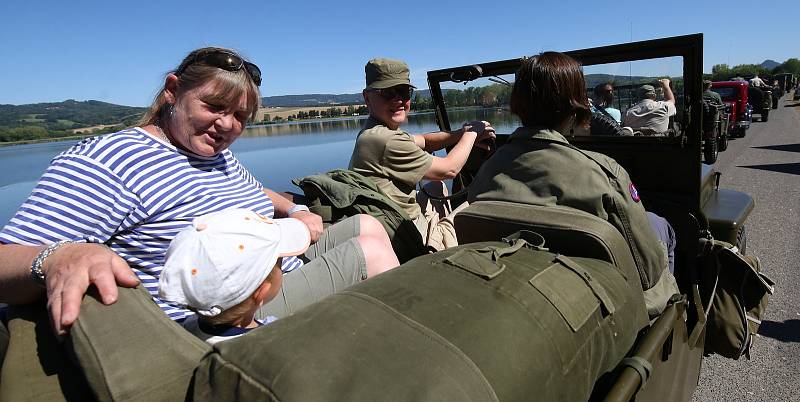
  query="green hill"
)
[{"x": 56, "y": 120}]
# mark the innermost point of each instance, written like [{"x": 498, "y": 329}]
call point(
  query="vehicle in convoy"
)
[
  {"x": 760, "y": 99},
  {"x": 448, "y": 325},
  {"x": 735, "y": 94},
  {"x": 777, "y": 89},
  {"x": 785, "y": 81}
]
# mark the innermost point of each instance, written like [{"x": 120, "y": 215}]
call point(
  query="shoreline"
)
[{"x": 258, "y": 125}]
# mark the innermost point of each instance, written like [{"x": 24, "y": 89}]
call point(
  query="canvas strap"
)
[{"x": 642, "y": 366}]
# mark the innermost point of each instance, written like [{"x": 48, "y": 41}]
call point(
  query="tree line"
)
[
  {"x": 349, "y": 110},
  {"x": 723, "y": 72},
  {"x": 486, "y": 96}
]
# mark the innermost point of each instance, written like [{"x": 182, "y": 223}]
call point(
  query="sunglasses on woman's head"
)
[
  {"x": 227, "y": 61},
  {"x": 404, "y": 92}
]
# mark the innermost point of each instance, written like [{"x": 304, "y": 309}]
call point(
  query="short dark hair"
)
[
  {"x": 600, "y": 89},
  {"x": 548, "y": 89}
]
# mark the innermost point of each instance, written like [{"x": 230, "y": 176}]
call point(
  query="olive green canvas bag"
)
[
  {"x": 737, "y": 294},
  {"x": 486, "y": 321}
]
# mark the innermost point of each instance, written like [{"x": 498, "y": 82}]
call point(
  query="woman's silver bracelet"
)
[{"x": 36, "y": 267}]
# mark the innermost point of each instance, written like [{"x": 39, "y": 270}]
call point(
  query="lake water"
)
[{"x": 274, "y": 154}]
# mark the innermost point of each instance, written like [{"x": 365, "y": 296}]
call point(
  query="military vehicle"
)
[
  {"x": 735, "y": 94},
  {"x": 668, "y": 171},
  {"x": 487, "y": 320},
  {"x": 761, "y": 100}
]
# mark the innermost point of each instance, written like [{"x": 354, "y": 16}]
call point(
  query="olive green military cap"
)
[
  {"x": 706, "y": 82},
  {"x": 385, "y": 73},
  {"x": 646, "y": 90}
]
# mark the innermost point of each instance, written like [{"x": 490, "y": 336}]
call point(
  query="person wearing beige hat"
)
[
  {"x": 649, "y": 116},
  {"x": 225, "y": 265},
  {"x": 397, "y": 161}
]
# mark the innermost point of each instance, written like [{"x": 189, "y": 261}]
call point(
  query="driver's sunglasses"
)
[
  {"x": 227, "y": 61},
  {"x": 404, "y": 92}
]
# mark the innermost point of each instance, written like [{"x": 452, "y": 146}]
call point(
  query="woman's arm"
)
[
  {"x": 282, "y": 206},
  {"x": 68, "y": 271},
  {"x": 16, "y": 285}
]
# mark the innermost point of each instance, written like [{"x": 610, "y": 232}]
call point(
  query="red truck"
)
[{"x": 734, "y": 93}]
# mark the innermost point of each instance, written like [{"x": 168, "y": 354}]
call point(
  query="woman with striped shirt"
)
[{"x": 105, "y": 210}]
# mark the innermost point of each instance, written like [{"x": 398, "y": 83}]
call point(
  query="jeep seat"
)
[{"x": 566, "y": 230}]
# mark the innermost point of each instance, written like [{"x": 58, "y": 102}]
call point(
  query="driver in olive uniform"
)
[
  {"x": 539, "y": 166},
  {"x": 397, "y": 161}
]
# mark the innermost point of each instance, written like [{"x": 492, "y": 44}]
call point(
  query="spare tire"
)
[
  {"x": 710, "y": 151},
  {"x": 601, "y": 124},
  {"x": 709, "y": 116}
]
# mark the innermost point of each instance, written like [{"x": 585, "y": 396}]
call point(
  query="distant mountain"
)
[
  {"x": 769, "y": 64},
  {"x": 310, "y": 100}
]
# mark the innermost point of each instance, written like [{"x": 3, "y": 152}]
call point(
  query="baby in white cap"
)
[{"x": 225, "y": 266}]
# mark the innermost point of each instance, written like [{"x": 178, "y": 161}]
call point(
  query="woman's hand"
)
[
  {"x": 69, "y": 272},
  {"x": 312, "y": 221}
]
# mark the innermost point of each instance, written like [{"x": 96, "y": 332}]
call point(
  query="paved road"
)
[{"x": 766, "y": 165}]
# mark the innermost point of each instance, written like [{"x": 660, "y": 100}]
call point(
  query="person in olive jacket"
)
[{"x": 539, "y": 166}]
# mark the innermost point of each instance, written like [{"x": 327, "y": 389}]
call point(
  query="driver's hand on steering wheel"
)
[{"x": 485, "y": 131}]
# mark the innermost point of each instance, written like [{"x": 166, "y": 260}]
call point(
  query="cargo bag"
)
[
  {"x": 478, "y": 322},
  {"x": 736, "y": 293}
]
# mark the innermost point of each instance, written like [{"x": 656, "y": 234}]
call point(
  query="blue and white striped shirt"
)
[{"x": 134, "y": 193}]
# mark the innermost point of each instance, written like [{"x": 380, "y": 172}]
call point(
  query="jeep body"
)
[{"x": 672, "y": 180}]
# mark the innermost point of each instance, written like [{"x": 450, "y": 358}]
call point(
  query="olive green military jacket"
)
[
  {"x": 341, "y": 193},
  {"x": 712, "y": 96},
  {"x": 540, "y": 167}
]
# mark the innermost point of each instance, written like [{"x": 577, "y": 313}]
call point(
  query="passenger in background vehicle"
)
[
  {"x": 649, "y": 116},
  {"x": 603, "y": 101},
  {"x": 710, "y": 95},
  {"x": 397, "y": 161},
  {"x": 105, "y": 210},
  {"x": 539, "y": 166},
  {"x": 757, "y": 82}
]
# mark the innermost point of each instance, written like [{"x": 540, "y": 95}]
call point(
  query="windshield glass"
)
[
  {"x": 727, "y": 93},
  {"x": 644, "y": 97},
  {"x": 485, "y": 98},
  {"x": 616, "y": 92}
]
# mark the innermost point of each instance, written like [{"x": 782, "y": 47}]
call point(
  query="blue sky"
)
[{"x": 119, "y": 51}]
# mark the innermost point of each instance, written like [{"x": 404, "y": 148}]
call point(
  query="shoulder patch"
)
[{"x": 634, "y": 193}]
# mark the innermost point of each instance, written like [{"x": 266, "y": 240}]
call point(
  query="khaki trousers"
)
[{"x": 435, "y": 224}]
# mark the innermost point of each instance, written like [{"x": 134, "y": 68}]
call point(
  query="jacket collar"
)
[{"x": 538, "y": 133}]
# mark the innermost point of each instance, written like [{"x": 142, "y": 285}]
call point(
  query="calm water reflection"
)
[{"x": 275, "y": 154}]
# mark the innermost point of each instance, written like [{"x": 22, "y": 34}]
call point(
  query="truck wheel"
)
[
  {"x": 741, "y": 240},
  {"x": 710, "y": 151},
  {"x": 765, "y": 114}
]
